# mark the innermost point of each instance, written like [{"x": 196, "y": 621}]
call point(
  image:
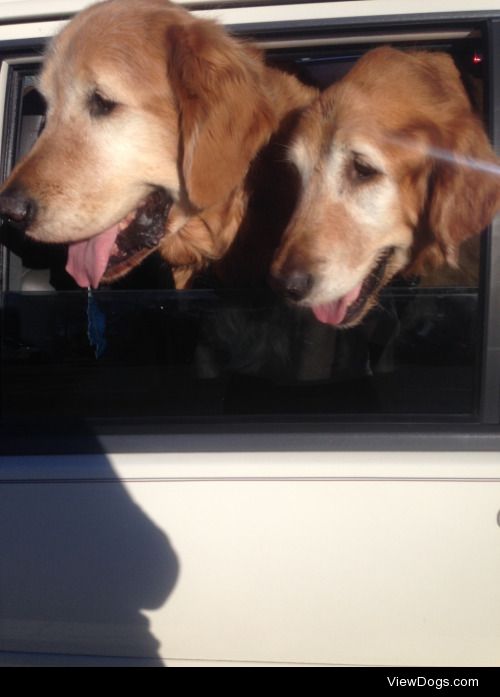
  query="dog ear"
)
[
  {"x": 224, "y": 116},
  {"x": 465, "y": 193},
  {"x": 464, "y": 181}
]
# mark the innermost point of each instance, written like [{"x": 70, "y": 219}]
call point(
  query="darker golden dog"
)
[{"x": 396, "y": 172}]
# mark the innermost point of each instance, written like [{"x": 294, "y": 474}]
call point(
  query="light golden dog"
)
[
  {"x": 396, "y": 171},
  {"x": 159, "y": 127}
]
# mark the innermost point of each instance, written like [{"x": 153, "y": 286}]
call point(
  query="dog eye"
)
[
  {"x": 364, "y": 172},
  {"x": 99, "y": 105}
]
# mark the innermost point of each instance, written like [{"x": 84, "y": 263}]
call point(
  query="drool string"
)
[{"x": 96, "y": 325}]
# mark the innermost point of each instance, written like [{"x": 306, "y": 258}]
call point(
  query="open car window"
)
[{"x": 140, "y": 350}]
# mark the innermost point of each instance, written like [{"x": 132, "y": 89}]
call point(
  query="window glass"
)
[{"x": 142, "y": 350}]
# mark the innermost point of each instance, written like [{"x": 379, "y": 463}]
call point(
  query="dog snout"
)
[
  {"x": 17, "y": 207},
  {"x": 293, "y": 284}
]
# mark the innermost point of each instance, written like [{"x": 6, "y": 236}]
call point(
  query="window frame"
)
[{"x": 273, "y": 435}]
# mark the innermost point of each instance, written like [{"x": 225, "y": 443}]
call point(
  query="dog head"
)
[
  {"x": 396, "y": 172},
  {"x": 152, "y": 116}
]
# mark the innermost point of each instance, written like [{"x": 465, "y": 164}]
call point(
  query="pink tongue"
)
[
  {"x": 87, "y": 260},
  {"x": 335, "y": 311}
]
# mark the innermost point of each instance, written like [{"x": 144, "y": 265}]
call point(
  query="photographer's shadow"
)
[{"x": 79, "y": 562}]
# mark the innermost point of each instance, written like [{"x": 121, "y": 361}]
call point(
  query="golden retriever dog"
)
[
  {"x": 158, "y": 128},
  {"x": 396, "y": 172}
]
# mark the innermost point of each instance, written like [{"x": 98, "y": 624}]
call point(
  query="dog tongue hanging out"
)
[
  {"x": 122, "y": 246},
  {"x": 87, "y": 260},
  {"x": 154, "y": 121}
]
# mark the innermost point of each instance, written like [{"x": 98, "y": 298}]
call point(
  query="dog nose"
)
[
  {"x": 295, "y": 285},
  {"x": 17, "y": 207}
]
